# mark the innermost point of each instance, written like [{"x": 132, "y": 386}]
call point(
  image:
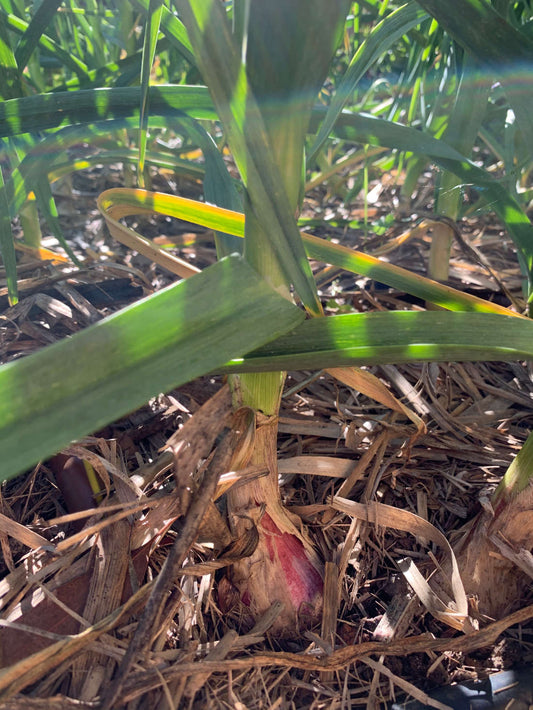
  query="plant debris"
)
[{"x": 120, "y": 601}]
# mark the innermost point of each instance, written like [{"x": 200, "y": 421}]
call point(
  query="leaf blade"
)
[
  {"x": 107, "y": 370},
  {"x": 30, "y": 39},
  {"x": 225, "y": 74},
  {"x": 151, "y": 30},
  {"x": 368, "y": 129},
  {"x": 500, "y": 48},
  {"x": 127, "y": 202},
  {"x": 393, "y": 337},
  {"x": 381, "y": 38},
  {"x": 7, "y": 245}
]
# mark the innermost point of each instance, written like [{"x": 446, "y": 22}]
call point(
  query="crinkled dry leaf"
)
[
  {"x": 455, "y": 614},
  {"x": 369, "y": 384}
]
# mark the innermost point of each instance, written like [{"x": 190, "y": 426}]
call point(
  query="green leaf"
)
[
  {"x": 47, "y": 205},
  {"x": 72, "y": 388},
  {"x": 286, "y": 48},
  {"x": 378, "y": 42},
  {"x": 151, "y": 30},
  {"x": 289, "y": 46},
  {"x": 517, "y": 477},
  {"x": 173, "y": 29},
  {"x": 51, "y": 155},
  {"x": 362, "y": 128},
  {"x": 38, "y": 113},
  {"x": 221, "y": 66},
  {"x": 392, "y": 337},
  {"x": 47, "y": 45},
  {"x": 158, "y": 159},
  {"x": 35, "y": 113},
  {"x": 30, "y": 39},
  {"x": 464, "y": 122},
  {"x": 9, "y": 74},
  {"x": 469, "y": 108},
  {"x": 7, "y": 247},
  {"x": 501, "y": 49},
  {"x": 134, "y": 202}
]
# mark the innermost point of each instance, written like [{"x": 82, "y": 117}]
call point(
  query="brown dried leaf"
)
[{"x": 456, "y": 615}]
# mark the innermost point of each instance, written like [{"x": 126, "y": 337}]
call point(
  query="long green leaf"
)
[
  {"x": 378, "y": 42},
  {"x": 464, "y": 122},
  {"x": 362, "y": 128},
  {"x": 49, "y": 46},
  {"x": 289, "y": 47},
  {"x": 52, "y": 152},
  {"x": 393, "y": 337},
  {"x": 9, "y": 74},
  {"x": 30, "y": 39},
  {"x": 133, "y": 202},
  {"x": 158, "y": 159},
  {"x": 52, "y": 110},
  {"x": 38, "y": 113},
  {"x": 73, "y": 387},
  {"x": 503, "y": 50},
  {"x": 47, "y": 205},
  {"x": 222, "y": 68},
  {"x": 151, "y": 30},
  {"x": 174, "y": 30},
  {"x": 7, "y": 248}
]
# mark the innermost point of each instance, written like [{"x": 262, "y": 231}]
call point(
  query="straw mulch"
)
[{"x": 116, "y": 606}]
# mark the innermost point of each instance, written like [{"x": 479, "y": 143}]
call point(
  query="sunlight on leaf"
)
[{"x": 113, "y": 367}]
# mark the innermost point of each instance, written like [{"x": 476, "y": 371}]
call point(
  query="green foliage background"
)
[{"x": 414, "y": 86}]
